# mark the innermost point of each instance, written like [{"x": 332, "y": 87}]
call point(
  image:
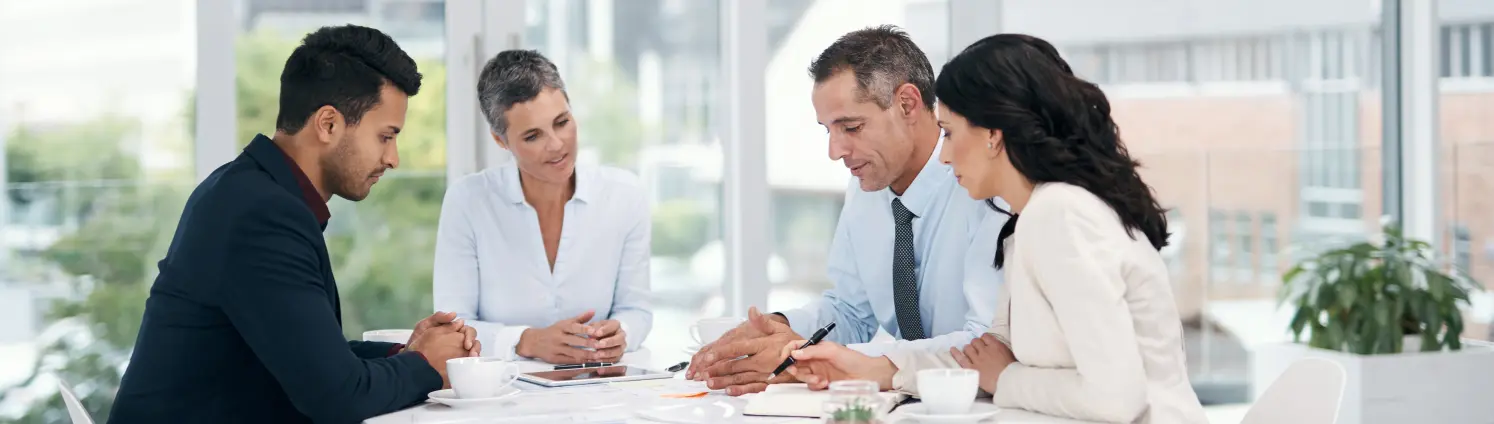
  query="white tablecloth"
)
[{"x": 612, "y": 404}]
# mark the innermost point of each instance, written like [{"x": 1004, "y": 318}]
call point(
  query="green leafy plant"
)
[
  {"x": 1366, "y": 297},
  {"x": 856, "y": 411}
]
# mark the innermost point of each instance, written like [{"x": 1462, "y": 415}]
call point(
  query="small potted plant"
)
[
  {"x": 855, "y": 402},
  {"x": 1368, "y": 297},
  {"x": 855, "y": 412},
  {"x": 1390, "y": 312}
]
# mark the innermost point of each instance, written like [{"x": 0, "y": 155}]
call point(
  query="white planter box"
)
[{"x": 1433, "y": 387}]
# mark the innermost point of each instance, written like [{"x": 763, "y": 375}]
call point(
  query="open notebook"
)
[{"x": 796, "y": 400}]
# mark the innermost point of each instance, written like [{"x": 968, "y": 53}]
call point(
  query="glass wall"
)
[
  {"x": 1466, "y": 146},
  {"x": 1260, "y": 133},
  {"x": 644, "y": 81},
  {"x": 96, "y": 153},
  {"x": 808, "y": 189},
  {"x": 99, "y": 161}
]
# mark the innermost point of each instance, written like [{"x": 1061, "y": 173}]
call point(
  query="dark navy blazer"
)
[{"x": 243, "y": 324}]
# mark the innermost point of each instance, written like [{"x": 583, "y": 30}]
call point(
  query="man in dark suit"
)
[{"x": 243, "y": 323}]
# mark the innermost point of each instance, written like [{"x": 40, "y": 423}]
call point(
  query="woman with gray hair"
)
[{"x": 546, "y": 259}]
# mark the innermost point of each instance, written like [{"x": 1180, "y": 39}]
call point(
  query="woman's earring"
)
[{"x": 990, "y": 145}]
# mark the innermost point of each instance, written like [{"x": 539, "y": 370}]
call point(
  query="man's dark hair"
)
[
  {"x": 513, "y": 77},
  {"x": 344, "y": 67},
  {"x": 883, "y": 58}
]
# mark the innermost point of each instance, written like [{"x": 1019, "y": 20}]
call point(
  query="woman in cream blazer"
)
[{"x": 1087, "y": 327}]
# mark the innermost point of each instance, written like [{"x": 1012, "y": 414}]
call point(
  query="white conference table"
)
[{"x": 618, "y": 403}]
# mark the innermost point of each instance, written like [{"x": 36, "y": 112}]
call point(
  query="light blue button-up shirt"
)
[
  {"x": 954, "y": 243},
  {"x": 492, "y": 271}
]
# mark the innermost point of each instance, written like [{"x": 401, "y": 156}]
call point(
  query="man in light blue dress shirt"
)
[{"x": 912, "y": 253}]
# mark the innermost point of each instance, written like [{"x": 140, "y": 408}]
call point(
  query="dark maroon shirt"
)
[{"x": 309, "y": 194}]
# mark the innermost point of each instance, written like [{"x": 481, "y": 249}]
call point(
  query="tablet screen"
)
[{"x": 584, "y": 374}]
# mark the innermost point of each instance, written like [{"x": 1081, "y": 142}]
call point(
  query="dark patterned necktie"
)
[{"x": 904, "y": 276}]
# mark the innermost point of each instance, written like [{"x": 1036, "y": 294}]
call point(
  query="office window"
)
[
  {"x": 1251, "y": 58},
  {"x": 1462, "y": 247},
  {"x": 1219, "y": 246},
  {"x": 1331, "y": 139},
  {"x": 1373, "y": 54},
  {"x": 1238, "y": 59},
  {"x": 1270, "y": 267},
  {"x": 1205, "y": 61},
  {"x": 1350, "y": 211},
  {"x": 1446, "y": 60},
  {"x": 1485, "y": 50},
  {"x": 1133, "y": 63},
  {"x": 1317, "y": 208},
  {"x": 643, "y": 80},
  {"x": 1330, "y": 180},
  {"x": 1466, "y": 50},
  {"x": 1168, "y": 62},
  {"x": 1245, "y": 256},
  {"x": 96, "y": 161},
  {"x": 1243, "y": 59},
  {"x": 1338, "y": 56}
]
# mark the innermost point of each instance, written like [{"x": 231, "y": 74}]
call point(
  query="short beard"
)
[{"x": 335, "y": 172}]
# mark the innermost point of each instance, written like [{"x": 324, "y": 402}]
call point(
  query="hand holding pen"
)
[
  {"x": 814, "y": 339},
  {"x": 825, "y": 362}
]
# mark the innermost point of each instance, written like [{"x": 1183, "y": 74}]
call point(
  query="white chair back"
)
[
  {"x": 75, "y": 408},
  {"x": 1308, "y": 392}
]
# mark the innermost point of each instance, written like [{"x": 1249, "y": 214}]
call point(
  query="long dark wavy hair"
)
[{"x": 1055, "y": 126}]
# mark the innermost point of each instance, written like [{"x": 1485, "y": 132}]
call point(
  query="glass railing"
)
[
  {"x": 1240, "y": 218},
  {"x": 1466, "y": 224}
]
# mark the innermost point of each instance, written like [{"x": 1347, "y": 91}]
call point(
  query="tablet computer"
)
[{"x": 609, "y": 374}]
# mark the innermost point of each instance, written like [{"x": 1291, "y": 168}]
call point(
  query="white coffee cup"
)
[
  {"x": 710, "y": 329},
  {"x": 948, "y": 390},
  {"x": 388, "y": 336},
  {"x": 480, "y": 377}
]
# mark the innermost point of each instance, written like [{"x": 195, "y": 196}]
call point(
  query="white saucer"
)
[
  {"x": 448, "y": 397},
  {"x": 693, "y": 412},
  {"x": 978, "y": 411},
  {"x": 691, "y": 350}
]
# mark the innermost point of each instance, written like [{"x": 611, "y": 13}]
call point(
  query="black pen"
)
[
  {"x": 815, "y": 339},
  {"x": 584, "y": 365}
]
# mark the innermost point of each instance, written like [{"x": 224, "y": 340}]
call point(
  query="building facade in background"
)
[{"x": 1259, "y": 123}]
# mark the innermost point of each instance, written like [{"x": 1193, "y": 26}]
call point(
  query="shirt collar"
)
[
  {"x": 512, "y": 190},
  {"x": 919, "y": 196},
  {"x": 309, "y": 194}
]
